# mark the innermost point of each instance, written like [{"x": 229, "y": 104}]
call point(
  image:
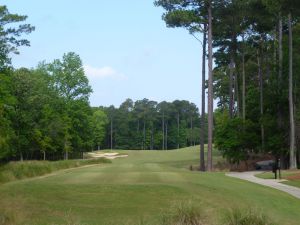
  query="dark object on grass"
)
[{"x": 265, "y": 165}]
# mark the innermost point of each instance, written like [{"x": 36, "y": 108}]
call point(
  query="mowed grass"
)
[
  {"x": 292, "y": 177},
  {"x": 138, "y": 188}
]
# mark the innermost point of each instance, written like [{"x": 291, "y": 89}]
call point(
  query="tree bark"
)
[
  {"x": 166, "y": 136},
  {"x": 178, "y": 130},
  {"x": 261, "y": 91},
  {"x": 202, "y": 160},
  {"x": 111, "y": 134},
  {"x": 210, "y": 90},
  {"x": 144, "y": 135},
  {"x": 280, "y": 66},
  {"x": 67, "y": 155},
  {"x": 231, "y": 98},
  {"x": 293, "y": 160},
  {"x": 244, "y": 84},
  {"x": 163, "y": 129}
]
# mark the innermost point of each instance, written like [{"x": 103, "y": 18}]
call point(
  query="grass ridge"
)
[{"x": 28, "y": 169}]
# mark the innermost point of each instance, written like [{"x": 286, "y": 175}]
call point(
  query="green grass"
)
[
  {"x": 27, "y": 169},
  {"x": 285, "y": 174},
  {"x": 295, "y": 183},
  {"x": 141, "y": 187},
  {"x": 270, "y": 175}
]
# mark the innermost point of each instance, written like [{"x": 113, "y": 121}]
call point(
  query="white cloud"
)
[{"x": 103, "y": 73}]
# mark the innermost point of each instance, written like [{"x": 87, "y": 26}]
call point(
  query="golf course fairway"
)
[{"x": 137, "y": 188}]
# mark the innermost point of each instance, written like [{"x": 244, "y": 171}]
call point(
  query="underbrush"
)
[{"x": 27, "y": 169}]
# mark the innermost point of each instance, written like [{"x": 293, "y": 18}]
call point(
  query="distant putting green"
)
[{"x": 137, "y": 188}]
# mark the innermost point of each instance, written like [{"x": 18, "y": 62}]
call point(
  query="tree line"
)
[
  {"x": 45, "y": 111},
  {"x": 149, "y": 125},
  {"x": 255, "y": 76}
]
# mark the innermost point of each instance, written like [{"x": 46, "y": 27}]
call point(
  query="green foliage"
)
[
  {"x": 10, "y": 32},
  {"x": 69, "y": 79},
  {"x": 99, "y": 121},
  {"x": 236, "y": 138}
]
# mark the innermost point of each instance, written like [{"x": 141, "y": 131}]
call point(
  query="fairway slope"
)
[{"x": 139, "y": 187}]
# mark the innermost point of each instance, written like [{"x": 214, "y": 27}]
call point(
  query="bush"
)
[
  {"x": 250, "y": 217},
  {"x": 20, "y": 170}
]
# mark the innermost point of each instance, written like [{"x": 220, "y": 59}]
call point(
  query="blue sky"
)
[{"x": 126, "y": 48}]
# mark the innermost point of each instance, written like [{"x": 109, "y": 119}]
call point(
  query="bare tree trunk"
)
[
  {"x": 236, "y": 92},
  {"x": 163, "y": 131},
  {"x": 144, "y": 136},
  {"x": 210, "y": 90},
  {"x": 261, "y": 90},
  {"x": 66, "y": 155},
  {"x": 21, "y": 157},
  {"x": 178, "y": 130},
  {"x": 280, "y": 55},
  {"x": 280, "y": 66},
  {"x": 293, "y": 160},
  {"x": 44, "y": 155},
  {"x": 166, "y": 136},
  {"x": 202, "y": 160},
  {"x": 244, "y": 85},
  {"x": 152, "y": 138},
  {"x": 231, "y": 97},
  {"x": 111, "y": 134},
  {"x": 192, "y": 134}
]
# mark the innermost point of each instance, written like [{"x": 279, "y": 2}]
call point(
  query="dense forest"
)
[
  {"x": 146, "y": 124},
  {"x": 251, "y": 47},
  {"x": 255, "y": 79}
]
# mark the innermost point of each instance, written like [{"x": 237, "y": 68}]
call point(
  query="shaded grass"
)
[{"x": 27, "y": 169}]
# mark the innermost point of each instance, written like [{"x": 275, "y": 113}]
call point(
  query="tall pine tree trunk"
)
[
  {"x": 261, "y": 91},
  {"x": 191, "y": 134},
  {"x": 163, "y": 131},
  {"x": 111, "y": 134},
  {"x": 144, "y": 135},
  {"x": 178, "y": 130},
  {"x": 166, "y": 142},
  {"x": 293, "y": 160},
  {"x": 210, "y": 90},
  {"x": 280, "y": 66},
  {"x": 231, "y": 97},
  {"x": 202, "y": 127},
  {"x": 244, "y": 84}
]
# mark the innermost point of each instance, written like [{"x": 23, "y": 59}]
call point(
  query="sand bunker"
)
[{"x": 112, "y": 155}]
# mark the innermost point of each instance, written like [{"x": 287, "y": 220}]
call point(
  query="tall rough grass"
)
[
  {"x": 183, "y": 213},
  {"x": 20, "y": 170},
  {"x": 246, "y": 217}
]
